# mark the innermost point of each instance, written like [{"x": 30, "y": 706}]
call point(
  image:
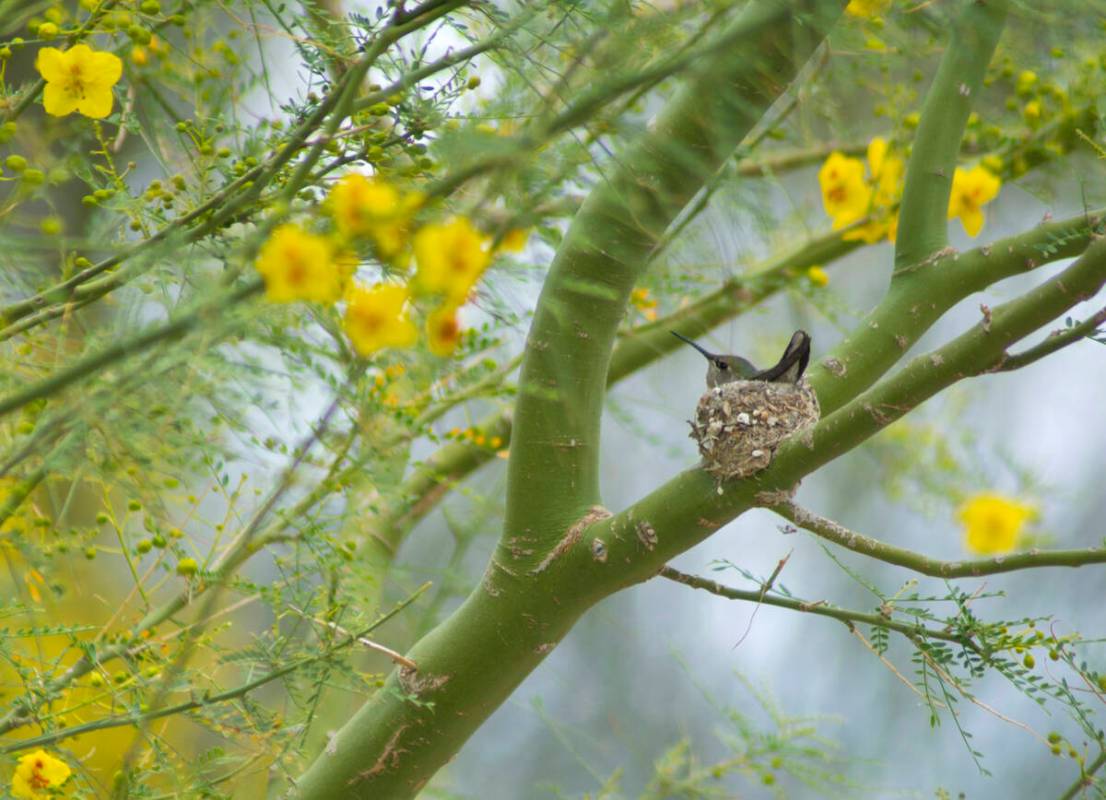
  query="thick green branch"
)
[
  {"x": 636, "y": 349},
  {"x": 959, "y": 276},
  {"x": 656, "y": 528},
  {"x": 923, "y": 222},
  {"x": 471, "y": 663},
  {"x": 923, "y": 295},
  {"x": 553, "y": 475}
]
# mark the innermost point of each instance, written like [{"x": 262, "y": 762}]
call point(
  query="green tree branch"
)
[
  {"x": 899, "y": 556},
  {"x": 923, "y": 226},
  {"x": 470, "y": 664},
  {"x": 553, "y": 470},
  {"x": 912, "y": 631}
]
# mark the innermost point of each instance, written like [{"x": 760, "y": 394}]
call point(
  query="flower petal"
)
[
  {"x": 96, "y": 103},
  {"x": 877, "y": 149},
  {"x": 51, "y": 64},
  {"x": 57, "y": 101},
  {"x": 973, "y": 221},
  {"x": 103, "y": 69}
]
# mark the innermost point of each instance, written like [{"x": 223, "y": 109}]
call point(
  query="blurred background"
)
[{"x": 661, "y": 683}]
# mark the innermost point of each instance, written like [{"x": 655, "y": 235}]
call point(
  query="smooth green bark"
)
[
  {"x": 560, "y": 553},
  {"x": 471, "y": 663},
  {"x": 553, "y": 474},
  {"x": 884, "y": 335},
  {"x": 923, "y": 227}
]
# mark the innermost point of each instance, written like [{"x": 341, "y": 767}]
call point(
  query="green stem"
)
[
  {"x": 139, "y": 719},
  {"x": 174, "y": 329},
  {"x": 913, "y": 631},
  {"x": 1057, "y": 340},
  {"x": 1086, "y": 777}
]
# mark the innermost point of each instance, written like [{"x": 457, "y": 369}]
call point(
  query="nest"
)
[{"x": 739, "y": 425}]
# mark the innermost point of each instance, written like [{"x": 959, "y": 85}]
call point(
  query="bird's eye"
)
[{"x": 722, "y": 365}]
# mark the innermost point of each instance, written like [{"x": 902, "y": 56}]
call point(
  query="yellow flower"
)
[
  {"x": 78, "y": 79},
  {"x": 887, "y": 172},
  {"x": 993, "y": 523},
  {"x": 298, "y": 265},
  {"x": 971, "y": 190},
  {"x": 377, "y": 318},
  {"x": 845, "y": 194},
  {"x": 885, "y": 178},
  {"x": 451, "y": 257},
  {"x": 38, "y": 775},
  {"x": 817, "y": 276},
  {"x": 866, "y": 8},
  {"x": 514, "y": 240},
  {"x": 644, "y": 303},
  {"x": 373, "y": 208},
  {"x": 443, "y": 331}
]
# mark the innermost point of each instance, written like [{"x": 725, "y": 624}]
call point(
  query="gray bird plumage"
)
[{"x": 723, "y": 369}]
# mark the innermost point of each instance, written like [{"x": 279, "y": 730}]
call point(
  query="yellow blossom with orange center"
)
[
  {"x": 971, "y": 190},
  {"x": 817, "y": 276},
  {"x": 39, "y": 775},
  {"x": 451, "y": 257},
  {"x": 372, "y": 208},
  {"x": 885, "y": 175},
  {"x": 443, "y": 331},
  {"x": 993, "y": 523},
  {"x": 78, "y": 79},
  {"x": 298, "y": 265},
  {"x": 376, "y": 318},
  {"x": 514, "y": 240},
  {"x": 845, "y": 194}
]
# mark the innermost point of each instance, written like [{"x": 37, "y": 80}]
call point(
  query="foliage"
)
[{"x": 268, "y": 272}]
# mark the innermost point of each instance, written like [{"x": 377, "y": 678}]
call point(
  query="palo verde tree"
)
[{"x": 265, "y": 263}]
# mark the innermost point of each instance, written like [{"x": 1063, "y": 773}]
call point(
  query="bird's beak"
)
[{"x": 710, "y": 356}]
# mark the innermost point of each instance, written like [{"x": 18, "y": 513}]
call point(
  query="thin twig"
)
[
  {"x": 874, "y": 548},
  {"x": 819, "y": 608},
  {"x": 1057, "y": 340},
  {"x": 369, "y": 643}
]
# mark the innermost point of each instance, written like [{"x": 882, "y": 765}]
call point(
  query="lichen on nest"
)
[{"x": 739, "y": 425}]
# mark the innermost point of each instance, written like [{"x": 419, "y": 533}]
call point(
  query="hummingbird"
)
[{"x": 725, "y": 369}]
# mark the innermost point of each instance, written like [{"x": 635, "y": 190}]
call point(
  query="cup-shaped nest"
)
[{"x": 738, "y": 425}]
